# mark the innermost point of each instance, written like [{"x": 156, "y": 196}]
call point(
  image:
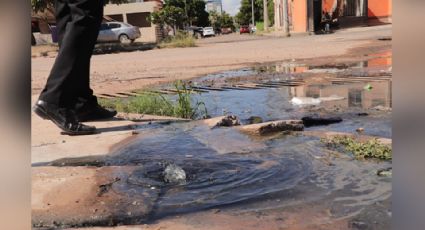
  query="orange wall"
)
[
  {"x": 380, "y": 8},
  {"x": 327, "y": 5},
  {"x": 299, "y": 15}
]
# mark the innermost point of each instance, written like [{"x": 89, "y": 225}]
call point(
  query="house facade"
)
[
  {"x": 137, "y": 13},
  {"x": 306, "y": 15}
]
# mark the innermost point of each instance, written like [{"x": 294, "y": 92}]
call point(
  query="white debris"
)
[
  {"x": 314, "y": 101},
  {"x": 305, "y": 101},
  {"x": 332, "y": 98}
]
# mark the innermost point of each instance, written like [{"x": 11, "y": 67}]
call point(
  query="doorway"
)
[{"x": 317, "y": 14}]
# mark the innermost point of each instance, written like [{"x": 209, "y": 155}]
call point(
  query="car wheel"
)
[{"x": 124, "y": 38}]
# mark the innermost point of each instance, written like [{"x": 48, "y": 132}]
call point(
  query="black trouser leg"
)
[
  {"x": 63, "y": 16},
  {"x": 69, "y": 78}
]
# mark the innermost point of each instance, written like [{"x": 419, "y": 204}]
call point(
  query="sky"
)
[{"x": 231, "y": 6}]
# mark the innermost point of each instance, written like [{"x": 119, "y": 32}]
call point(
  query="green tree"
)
[
  {"x": 193, "y": 12},
  {"x": 245, "y": 13},
  {"x": 169, "y": 15},
  {"x": 223, "y": 20},
  {"x": 196, "y": 13},
  {"x": 215, "y": 19},
  {"x": 227, "y": 21}
]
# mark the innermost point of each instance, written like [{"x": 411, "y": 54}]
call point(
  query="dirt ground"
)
[
  {"x": 122, "y": 72},
  {"x": 112, "y": 73}
]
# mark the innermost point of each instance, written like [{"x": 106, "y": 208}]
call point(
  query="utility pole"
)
[
  {"x": 253, "y": 16},
  {"x": 221, "y": 7},
  {"x": 266, "y": 15},
  {"x": 185, "y": 12},
  {"x": 285, "y": 18}
]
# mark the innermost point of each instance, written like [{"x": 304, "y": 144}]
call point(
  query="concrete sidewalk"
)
[{"x": 48, "y": 144}]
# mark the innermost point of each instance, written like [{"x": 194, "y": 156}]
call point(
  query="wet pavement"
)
[{"x": 188, "y": 167}]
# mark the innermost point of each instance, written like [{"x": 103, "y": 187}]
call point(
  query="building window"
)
[
  {"x": 139, "y": 19},
  {"x": 117, "y": 17}
]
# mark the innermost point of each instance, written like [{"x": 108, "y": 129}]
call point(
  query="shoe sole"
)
[
  {"x": 86, "y": 119},
  {"x": 43, "y": 114}
]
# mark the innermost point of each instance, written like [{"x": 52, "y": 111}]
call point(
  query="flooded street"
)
[{"x": 186, "y": 167}]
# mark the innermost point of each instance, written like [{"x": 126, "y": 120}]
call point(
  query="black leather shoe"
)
[
  {"x": 65, "y": 119},
  {"x": 94, "y": 112}
]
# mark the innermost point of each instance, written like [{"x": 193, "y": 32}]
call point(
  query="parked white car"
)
[
  {"x": 208, "y": 31},
  {"x": 118, "y": 31}
]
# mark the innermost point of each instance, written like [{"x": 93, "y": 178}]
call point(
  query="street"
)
[{"x": 123, "y": 72}]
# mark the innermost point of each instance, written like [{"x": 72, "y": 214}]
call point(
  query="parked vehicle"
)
[
  {"x": 244, "y": 30},
  {"x": 226, "y": 30},
  {"x": 253, "y": 29},
  {"x": 118, "y": 31},
  {"x": 194, "y": 31},
  {"x": 208, "y": 31}
]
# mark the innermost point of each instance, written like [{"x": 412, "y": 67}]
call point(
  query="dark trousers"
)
[{"x": 78, "y": 23}]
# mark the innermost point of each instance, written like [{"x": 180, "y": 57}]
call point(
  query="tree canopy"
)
[
  {"x": 244, "y": 16},
  {"x": 223, "y": 20},
  {"x": 181, "y": 13}
]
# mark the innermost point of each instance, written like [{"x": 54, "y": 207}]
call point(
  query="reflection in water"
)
[{"x": 354, "y": 93}]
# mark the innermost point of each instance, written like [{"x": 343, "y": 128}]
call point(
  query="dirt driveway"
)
[{"x": 113, "y": 73}]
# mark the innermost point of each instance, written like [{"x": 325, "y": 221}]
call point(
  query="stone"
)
[
  {"x": 255, "y": 120},
  {"x": 273, "y": 127},
  {"x": 229, "y": 121},
  {"x": 360, "y": 130},
  {"x": 316, "y": 120},
  {"x": 358, "y": 225},
  {"x": 174, "y": 174},
  {"x": 223, "y": 121}
]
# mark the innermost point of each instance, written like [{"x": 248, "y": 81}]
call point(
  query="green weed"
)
[
  {"x": 181, "y": 40},
  {"x": 361, "y": 150},
  {"x": 157, "y": 104}
]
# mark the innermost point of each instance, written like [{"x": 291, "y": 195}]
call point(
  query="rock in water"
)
[
  {"x": 174, "y": 174},
  {"x": 316, "y": 120},
  {"x": 229, "y": 121},
  {"x": 255, "y": 120}
]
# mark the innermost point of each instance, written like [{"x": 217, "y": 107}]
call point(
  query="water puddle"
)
[
  {"x": 185, "y": 167},
  {"x": 371, "y": 65}
]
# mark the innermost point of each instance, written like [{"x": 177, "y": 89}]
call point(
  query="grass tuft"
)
[
  {"x": 156, "y": 104},
  {"x": 181, "y": 40},
  {"x": 361, "y": 150}
]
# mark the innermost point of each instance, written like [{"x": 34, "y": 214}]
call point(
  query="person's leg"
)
[
  {"x": 74, "y": 51},
  {"x": 86, "y": 106},
  {"x": 63, "y": 16},
  {"x": 84, "y": 93},
  {"x": 58, "y": 97}
]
